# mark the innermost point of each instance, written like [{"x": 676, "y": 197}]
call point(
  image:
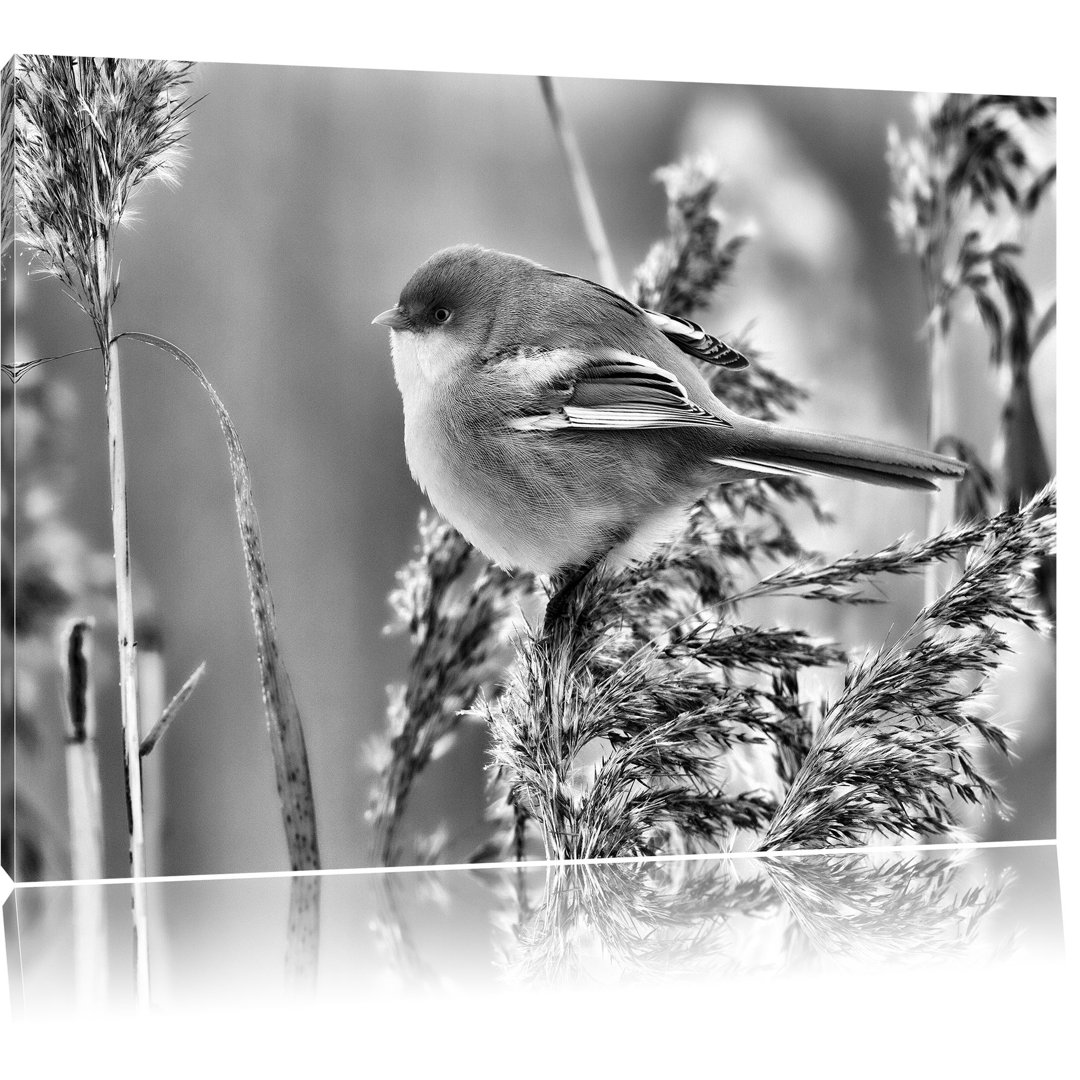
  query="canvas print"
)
[{"x": 407, "y": 468}]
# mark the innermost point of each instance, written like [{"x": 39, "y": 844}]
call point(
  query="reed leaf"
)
[{"x": 282, "y": 714}]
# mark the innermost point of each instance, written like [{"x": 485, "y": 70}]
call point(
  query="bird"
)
[{"x": 558, "y": 426}]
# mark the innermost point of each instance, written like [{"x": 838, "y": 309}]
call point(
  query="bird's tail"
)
[{"x": 766, "y": 448}]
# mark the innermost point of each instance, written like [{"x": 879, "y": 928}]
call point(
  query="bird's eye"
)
[{"x": 441, "y": 314}]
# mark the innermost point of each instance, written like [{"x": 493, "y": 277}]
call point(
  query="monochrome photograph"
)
[{"x": 410, "y": 468}]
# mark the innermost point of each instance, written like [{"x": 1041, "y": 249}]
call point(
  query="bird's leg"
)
[{"x": 566, "y": 582}]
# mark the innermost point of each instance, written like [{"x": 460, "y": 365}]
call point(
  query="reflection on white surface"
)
[{"x": 344, "y": 936}]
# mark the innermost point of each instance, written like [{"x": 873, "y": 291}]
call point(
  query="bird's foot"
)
[{"x": 566, "y": 583}]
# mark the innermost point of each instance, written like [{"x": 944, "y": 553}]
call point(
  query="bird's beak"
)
[{"x": 395, "y": 318}]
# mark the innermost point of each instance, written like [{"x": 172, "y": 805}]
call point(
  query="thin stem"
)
[
  {"x": 166, "y": 714},
  {"x": 80, "y": 735},
  {"x": 579, "y": 177},
  {"x": 125, "y": 606},
  {"x": 936, "y": 512},
  {"x": 125, "y": 638},
  {"x": 84, "y": 816},
  {"x": 151, "y": 663}
]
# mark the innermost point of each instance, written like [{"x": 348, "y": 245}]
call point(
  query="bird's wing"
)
[
  {"x": 687, "y": 335},
  {"x": 612, "y": 390},
  {"x": 696, "y": 342}
]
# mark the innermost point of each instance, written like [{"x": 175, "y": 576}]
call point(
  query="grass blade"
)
[
  {"x": 282, "y": 714},
  {"x": 168, "y": 714}
]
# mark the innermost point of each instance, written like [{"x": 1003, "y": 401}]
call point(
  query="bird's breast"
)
[
  {"x": 505, "y": 493},
  {"x": 428, "y": 407}
]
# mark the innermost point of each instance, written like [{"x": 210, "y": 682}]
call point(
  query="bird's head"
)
[{"x": 452, "y": 300}]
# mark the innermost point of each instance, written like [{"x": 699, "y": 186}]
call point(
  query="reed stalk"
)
[
  {"x": 87, "y": 132},
  {"x": 583, "y": 192},
  {"x": 938, "y": 412},
  {"x": 103, "y": 275},
  {"x": 125, "y": 631},
  {"x": 81, "y": 755},
  {"x": 151, "y": 668},
  {"x": 85, "y": 816}
]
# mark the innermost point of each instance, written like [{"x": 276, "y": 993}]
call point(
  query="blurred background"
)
[{"x": 307, "y": 198}]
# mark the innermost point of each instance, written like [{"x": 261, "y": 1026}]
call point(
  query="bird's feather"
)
[
  {"x": 612, "y": 389},
  {"x": 693, "y": 340},
  {"x": 687, "y": 335},
  {"x": 781, "y": 449}
]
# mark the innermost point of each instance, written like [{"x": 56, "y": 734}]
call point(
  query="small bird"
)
[{"x": 557, "y": 425}]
